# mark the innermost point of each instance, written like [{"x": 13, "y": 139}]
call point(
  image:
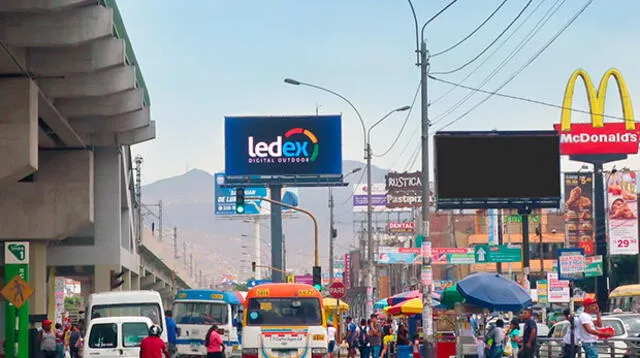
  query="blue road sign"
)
[
  {"x": 225, "y": 198},
  {"x": 254, "y": 283}
]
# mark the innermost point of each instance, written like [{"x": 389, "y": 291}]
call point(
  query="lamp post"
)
[
  {"x": 367, "y": 156},
  {"x": 332, "y": 229}
]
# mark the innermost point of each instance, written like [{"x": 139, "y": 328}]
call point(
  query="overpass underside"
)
[{"x": 72, "y": 103}]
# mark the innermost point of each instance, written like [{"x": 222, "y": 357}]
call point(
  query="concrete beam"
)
[
  {"x": 58, "y": 28},
  {"x": 57, "y": 204},
  {"x": 100, "y": 83},
  {"x": 158, "y": 285},
  {"x": 113, "y": 124},
  {"x": 111, "y": 105},
  {"x": 59, "y": 124},
  {"x": 18, "y": 130},
  {"x": 8, "y": 62},
  {"x": 94, "y": 56},
  {"x": 147, "y": 281},
  {"x": 135, "y": 136},
  {"x": 40, "y": 5}
]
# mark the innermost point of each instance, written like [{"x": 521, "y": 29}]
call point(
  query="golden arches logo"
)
[{"x": 596, "y": 99}]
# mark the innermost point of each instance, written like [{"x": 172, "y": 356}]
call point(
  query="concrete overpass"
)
[{"x": 72, "y": 103}]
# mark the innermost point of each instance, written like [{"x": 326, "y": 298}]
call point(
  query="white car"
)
[{"x": 553, "y": 347}]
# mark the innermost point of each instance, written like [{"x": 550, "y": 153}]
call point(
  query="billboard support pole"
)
[
  {"x": 257, "y": 247},
  {"x": 276, "y": 234},
  {"x": 525, "y": 245}
]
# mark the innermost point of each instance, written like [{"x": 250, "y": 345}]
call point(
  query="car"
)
[{"x": 552, "y": 346}]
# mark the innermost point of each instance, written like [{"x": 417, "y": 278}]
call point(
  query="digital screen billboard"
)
[
  {"x": 496, "y": 169},
  {"x": 283, "y": 146}
]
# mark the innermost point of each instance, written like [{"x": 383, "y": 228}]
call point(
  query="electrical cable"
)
[
  {"x": 404, "y": 124},
  {"x": 354, "y": 187},
  {"x": 488, "y": 46},
  {"x": 412, "y": 159},
  {"x": 531, "y": 60},
  {"x": 487, "y": 58},
  {"x": 472, "y": 32},
  {"x": 543, "y": 21}
]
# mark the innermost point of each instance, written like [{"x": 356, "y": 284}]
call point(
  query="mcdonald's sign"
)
[{"x": 598, "y": 137}]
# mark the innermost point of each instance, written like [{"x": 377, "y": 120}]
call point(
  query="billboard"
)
[
  {"x": 279, "y": 146},
  {"x": 578, "y": 205},
  {"x": 378, "y": 198},
  {"x": 404, "y": 190},
  {"x": 597, "y": 137},
  {"x": 452, "y": 255},
  {"x": 622, "y": 211},
  {"x": 497, "y": 169},
  {"x": 225, "y": 198},
  {"x": 399, "y": 255},
  {"x": 401, "y": 227}
]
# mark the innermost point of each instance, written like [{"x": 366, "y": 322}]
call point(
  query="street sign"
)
[
  {"x": 254, "y": 283},
  {"x": 17, "y": 291},
  {"x": 497, "y": 253},
  {"x": 571, "y": 264},
  {"x": 337, "y": 290},
  {"x": 593, "y": 266}
]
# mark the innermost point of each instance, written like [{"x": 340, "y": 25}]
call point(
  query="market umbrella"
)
[
  {"x": 451, "y": 296},
  {"x": 380, "y": 304},
  {"x": 412, "y": 306},
  {"x": 331, "y": 304},
  {"x": 400, "y": 297},
  {"x": 494, "y": 292}
]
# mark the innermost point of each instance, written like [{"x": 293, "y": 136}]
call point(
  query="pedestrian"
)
[
  {"x": 59, "y": 341},
  {"x": 363, "y": 339},
  {"x": 529, "y": 336},
  {"x": 403, "y": 335},
  {"x": 387, "y": 342},
  {"x": 172, "y": 332},
  {"x": 153, "y": 346},
  {"x": 496, "y": 337},
  {"x": 514, "y": 337},
  {"x": 587, "y": 327},
  {"x": 75, "y": 341},
  {"x": 214, "y": 343},
  {"x": 331, "y": 335},
  {"x": 351, "y": 337},
  {"x": 570, "y": 341},
  {"x": 375, "y": 337}
]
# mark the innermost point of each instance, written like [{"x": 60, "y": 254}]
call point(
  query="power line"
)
[
  {"x": 531, "y": 60},
  {"x": 404, "y": 124},
  {"x": 412, "y": 159},
  {"x": 486, "y": 59},
  {"x": 354, "y": 187},
  {"x": 523, "y": 99},
  {"x": 472, "y": 32},
  {"x": 490, "y": 44},
  {"x": 543, "y": 21}
]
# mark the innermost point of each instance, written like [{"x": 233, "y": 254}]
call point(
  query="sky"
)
[{"x": 214, "y": 58}]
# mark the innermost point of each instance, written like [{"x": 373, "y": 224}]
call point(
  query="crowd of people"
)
[{"x": 375, "y": 338}]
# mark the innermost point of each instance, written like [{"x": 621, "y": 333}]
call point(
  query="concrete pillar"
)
[
  {"x": 38, "y": 277},
  {"x": 102, "y": 277},
  {"x": 135, "y": 282},
  {"x": 108, "y": 208},
  {"x": 127, "y": 281},
  {"x": 18, "y": 129}
]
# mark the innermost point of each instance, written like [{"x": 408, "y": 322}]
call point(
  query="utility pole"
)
[
  {"x": 184, "y": 252},
  {"x": 284, "y": 253},
  {"x": 175, "y": 243},
  {"x": 331, "y": 237},
  {"x": 139, "y": 197},
  {"x": 191, "y": 267},
  {"x": 159, "y": 216}
]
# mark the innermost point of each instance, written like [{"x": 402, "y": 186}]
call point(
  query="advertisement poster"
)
[
  {"x": 622, "y": 213},
  {"x": 557, "y": 290},
  {"x": 578, "y": 204},
  {"x": 399, "y": 255},
  {"x": 452, "y": 256},
  {"x": 492, "y": 226}
]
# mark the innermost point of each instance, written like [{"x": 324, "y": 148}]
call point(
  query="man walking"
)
[
  {"x": 587, "y": 327},
  {"x": 570, "y": 341},
  {"x": 529, "y": 335},
  {"x": 172, "y": 332}
]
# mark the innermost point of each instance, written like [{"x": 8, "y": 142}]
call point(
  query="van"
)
[
  {"x": 127, "y": 303},
  {"x": 113, "y": 337}
]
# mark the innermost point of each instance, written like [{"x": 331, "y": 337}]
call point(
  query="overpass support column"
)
[
  {"x": 135, "y": 281},
  {"x": 38, "y": 277}
]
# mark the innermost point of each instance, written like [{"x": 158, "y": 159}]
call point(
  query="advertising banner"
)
[
  {"x": 597, "y": 137},
  {"x": 578, "y": 204},
  {"x": 593, "y": 266},
  {"x": 307, "y": 279},
  {"x": 347, "y": 270},
  {"x": 452, "y": 256},
  {"x": 542, "y": 288},
  {"x": 571, "y": 264},
  {"x": 622, "y": 211},
  {"x": 401, "y": 227},
  {"x": 225, "y": 199},
  {"x": 378, "y": 198},
  {"x": 399, "y": 255},
  {"x": 283, "y": 146},
  {"x": 492, "y": 226},
  {"x": 558, "y": 290},
  {"x": 404, "y": 190}
]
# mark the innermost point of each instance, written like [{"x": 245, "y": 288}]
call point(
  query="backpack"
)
[{"x": 363, "y": 337}]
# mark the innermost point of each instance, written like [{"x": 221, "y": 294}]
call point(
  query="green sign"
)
[
  {"x": 542, "y": 287},
  {"x": 497, "y": 253},
  {"x": 518, "y": 218},
  {"x": 16, "y": 320},
  {"x": 593, "y": 266}
]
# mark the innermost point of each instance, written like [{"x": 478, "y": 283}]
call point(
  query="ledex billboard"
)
[{"x": 598, "y": 137}]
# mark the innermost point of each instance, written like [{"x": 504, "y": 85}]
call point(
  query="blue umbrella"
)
[{"x": 494, "y": 292}]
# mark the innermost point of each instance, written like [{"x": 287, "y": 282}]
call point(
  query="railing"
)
[{"x": 610, "y": 348}]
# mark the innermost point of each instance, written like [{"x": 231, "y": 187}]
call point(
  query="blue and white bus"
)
[{"x": 196, "y": 310}]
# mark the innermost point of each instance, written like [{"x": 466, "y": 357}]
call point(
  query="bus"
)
[
  {"x": 626, "y": 298},
  {"x": 284, "y": 319},
  {"x": 196, "y": 310},
  {"x": 127, "y": 304}
]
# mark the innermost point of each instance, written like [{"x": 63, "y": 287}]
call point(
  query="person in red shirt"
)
[
  {"x": 153, "y": 346},
  {"x": 214, "y": 343}
]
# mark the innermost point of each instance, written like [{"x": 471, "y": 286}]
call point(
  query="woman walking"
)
[{"x": 214, "y": 343}]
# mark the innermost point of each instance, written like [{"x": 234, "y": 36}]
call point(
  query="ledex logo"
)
[
  {"x": 598, "y": 137},
  {"x": 298, "y": 145}
]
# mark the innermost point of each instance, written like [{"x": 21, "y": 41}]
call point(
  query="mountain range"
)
[{"x": 226, "y": 245}]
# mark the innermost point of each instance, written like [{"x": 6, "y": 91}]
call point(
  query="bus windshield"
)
[
  {"x": 205, "y": 313},
  {"x": 269, "y": 311},
  {"x": 149, "y": 310}
]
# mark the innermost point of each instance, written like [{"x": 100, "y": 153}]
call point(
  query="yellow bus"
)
[{"x": 626, "y": 298}]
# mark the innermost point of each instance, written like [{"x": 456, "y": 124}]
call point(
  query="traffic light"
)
[
  {"x": 240, "y": 201},
  {"x": 334, "y": 233},
  {"x": 317, "y": 277},
  {"x": 253, "y": 266},
  {"x": 116, "y": 279}
]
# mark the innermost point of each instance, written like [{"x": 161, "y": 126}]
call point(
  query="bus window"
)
[
  {"x": 206, "y": 313},
  {"x": 149, "y": 310},
  {"x": 294, "y": 311}
]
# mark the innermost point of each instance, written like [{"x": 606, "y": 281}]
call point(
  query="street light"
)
[
  {"x": 333, "y": 234},
  {"x": 367, "y": 156}
]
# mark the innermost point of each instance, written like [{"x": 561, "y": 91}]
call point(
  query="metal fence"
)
[{"x": 610, "y": 348}]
